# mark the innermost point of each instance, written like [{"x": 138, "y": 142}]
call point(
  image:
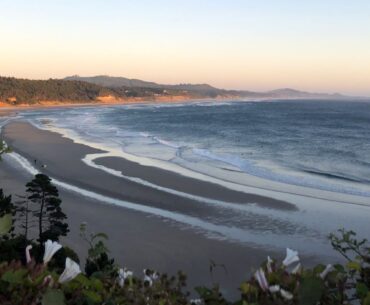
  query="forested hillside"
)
[
  {"x": 19, "y": 91},
  {"x": 77, "y": 89}
]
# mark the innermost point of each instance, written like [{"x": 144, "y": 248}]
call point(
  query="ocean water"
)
[
  {"x": 312, "y": 154},
  {"x": 322, "y": 145}
]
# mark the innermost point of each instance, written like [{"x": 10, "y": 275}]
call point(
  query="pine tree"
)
[
  {"x": 50, "y": 216},
  {"x": 22, "y": 212}
]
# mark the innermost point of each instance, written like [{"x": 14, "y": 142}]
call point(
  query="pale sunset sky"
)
[{"x": 316, "y": 45}]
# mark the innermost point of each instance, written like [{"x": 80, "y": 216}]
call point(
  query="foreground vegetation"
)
[{"x": 36, "y": 269}]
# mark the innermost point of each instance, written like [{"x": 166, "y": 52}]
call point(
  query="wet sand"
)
[
  {"x": 139, "y": 239},
  {"x": 63, "y": 159}
]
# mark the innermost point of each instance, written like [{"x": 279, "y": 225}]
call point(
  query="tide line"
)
[{"x": 222, "y": 232}]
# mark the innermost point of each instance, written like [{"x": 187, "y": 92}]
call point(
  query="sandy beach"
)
[
  {"x": 137, "y": 239},
  {"x": 166, "y": 230},
  {"x": 140, "y": 241}
]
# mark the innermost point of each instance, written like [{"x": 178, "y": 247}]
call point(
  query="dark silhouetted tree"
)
[
  {"x": 23, "y": 212},
  {"x": 7, "y": 207},
  {"x": 49, "y": 213}
]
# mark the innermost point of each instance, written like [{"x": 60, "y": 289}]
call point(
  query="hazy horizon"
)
[{"x": 315, "y": 46}]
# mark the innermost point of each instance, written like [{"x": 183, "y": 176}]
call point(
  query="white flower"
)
[
  {"x": 291, "y": 257},
  {"x": 123, "y": 274},
  {"x": 50, "y": 248},
  {"x": 28, "y": 255},
  {"x": 268, "y": 265},
  {"x": 155, "y": 276},
  {"x": 150, "y": 276},
  {"x": 71, "y": 270},
  {"x": 196, "y": 301},
  {"x": 296, "y": 269},
  {"x": 274, "y": 288},
  {"x": 286, "y": 294},
  {"x": 261, "y": 279},
  {"x": 327, "y": 269}
]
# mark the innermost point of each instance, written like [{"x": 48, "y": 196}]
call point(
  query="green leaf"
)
[
  {"x": 14, "y": 277},
  {"x": 362, "y": 290},
  {"x": 83, "y": 280},
  {"x": 339, "y": 268},
  {"x": 366, "y": 300},
  {"x": 310, "y": 291},
  {"x": 5, "y": 224},
  {"x": 92, "y": 296},
  {"x": 53, "y": 297},
  {"x": 354, "y": 266},
  {"x": 96, "y": 284}
]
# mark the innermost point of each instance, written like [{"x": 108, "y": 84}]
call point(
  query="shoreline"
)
[
  {"x": 22, "y": 137},
  {"x": 4, "y": 107},
  {"x": 137, "y": 239},
  {"x": 239, "y": 236},
  {"x": 133, "y": 101}
]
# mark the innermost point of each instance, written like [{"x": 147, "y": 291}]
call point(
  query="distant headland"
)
[{"x": 110, "y": 90}]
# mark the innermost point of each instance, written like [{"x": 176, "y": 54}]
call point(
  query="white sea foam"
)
[
  {"x": 89, "y": 160},
  {"x": 212, "y": 230},
  {"x": 115, "y": 149},
  {"x": 300, "y": 180}
]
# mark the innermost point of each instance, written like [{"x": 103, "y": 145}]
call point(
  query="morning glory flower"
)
[
  {"x": 28, "y": 255},
  {"x": 291, "y": 257},
  {"x": 71, "y": 270},
  {"x": 286, "y": 294},
  {"x": 327, "y": 269},
  {"x": 268, "y": 265},
  {"x": 123, "y": 274},
  {"x": 261, "y": 279},
  {"x": 296, "y": 269},
  {"x": 274, "y": 288},
  {"x": 150, "y": 276},
  {"x": 50, "y": 248}
]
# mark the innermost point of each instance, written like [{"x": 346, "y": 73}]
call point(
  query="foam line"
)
[
  {"x": 219, "y": 231},
  {"x": 114, "y": 150},
  {"x": 89, "y": 160}
]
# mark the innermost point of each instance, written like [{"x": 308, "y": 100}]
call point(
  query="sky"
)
[{"x": 315, "y": 45}]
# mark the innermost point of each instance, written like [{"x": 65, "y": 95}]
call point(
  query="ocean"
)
[
  {"x": 323, "y": 145},
  {"x": 312, "y": 154}
]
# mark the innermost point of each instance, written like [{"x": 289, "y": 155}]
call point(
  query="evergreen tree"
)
[
  {"x": 7, "y": 207},
  {"x": 50, "y": 216},
  {"x": 22, "y": 212}
]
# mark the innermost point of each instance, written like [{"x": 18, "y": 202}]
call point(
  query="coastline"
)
[
  {"x": 110, "y": 102},
  {"x": 136, "y": 239},
  {"x": 144, "y": 222}
]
